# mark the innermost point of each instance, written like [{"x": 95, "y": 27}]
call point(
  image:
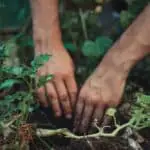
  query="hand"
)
[
  {"x": 61, "y": 91},
  {"x": 102, "y": 90}
]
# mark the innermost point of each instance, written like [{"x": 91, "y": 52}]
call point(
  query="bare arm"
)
[
  {"x": 46, "y": 20},
  {"x": 105, "y": 87},
  {"x": 61, "y": 91},
  {"x": 133, "y": 45}
]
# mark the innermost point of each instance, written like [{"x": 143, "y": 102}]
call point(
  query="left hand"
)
[{"x": 102, "y": 90}]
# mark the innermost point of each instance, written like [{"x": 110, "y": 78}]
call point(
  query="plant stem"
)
[
  {"x": 68, "y": 134},
  {"x": 84, "y": 28}
]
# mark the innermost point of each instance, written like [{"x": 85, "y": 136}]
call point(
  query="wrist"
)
[{"x": 122, "y": 61}]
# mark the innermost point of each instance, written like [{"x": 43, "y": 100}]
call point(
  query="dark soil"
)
[{"x": 60, "y": 143}]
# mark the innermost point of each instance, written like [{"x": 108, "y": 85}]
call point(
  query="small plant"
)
[{"x": 20, "y": 101}]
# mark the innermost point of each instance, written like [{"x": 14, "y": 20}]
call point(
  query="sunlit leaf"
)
[
  {"x": 40, "y": 60},
  {"x": 103, "y": 44},
  {"x": 8, "y": 83},
  {"x": 44, "y": 79},
  {"x": 89, "y": 49}
]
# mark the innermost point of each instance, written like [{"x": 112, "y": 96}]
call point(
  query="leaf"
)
[
  {"x": 10, "y": 47},
  {"x": 9, "y": 83},
  {"x": 13, "y": 70},
  {"x": 97, "y": 48},
  {"x": 103, "y": 44},
  {"x": 40, "y": 60},
  {"x": 89, "y": 49},
  {"x": 21, "y": 14},
  {"x": 26, "y": 41},
  {"x": 71, "y": 47},
  {"x": 44, "y": 79}
]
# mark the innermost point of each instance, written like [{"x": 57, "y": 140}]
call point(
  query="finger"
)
[
  {"x": 86, "y": 118},
  {"x": 98, "y": 114},
  {"x": 53, "y": 99},
  {"x": 64, "y": 98},
  {"x": 42, "y": 96},
  {"x": 78, "y": 114},
  {"x": 72, "y": 89},
  {"x": 108, "y": 118},
  {"x": 106, "y": 121}
]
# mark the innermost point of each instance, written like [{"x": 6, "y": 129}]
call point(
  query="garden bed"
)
[{"x": 21, "y": 118}]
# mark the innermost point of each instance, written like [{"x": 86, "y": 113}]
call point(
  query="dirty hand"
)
[
  {"x": 101, "y": 91},
  {"x": 61, "y": 91}
]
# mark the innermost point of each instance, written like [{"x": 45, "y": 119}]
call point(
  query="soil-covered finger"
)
[
  {"x": 63, "y": 98},
  {"x": 78, "y": 114},
  {"x": 86, "y": 118},
  {"x": 106, "y": 120},
  {"x": 98, "y": 114},
  {"x": 53, "y": 99}
]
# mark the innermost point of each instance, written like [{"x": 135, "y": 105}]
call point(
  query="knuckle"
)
[
  {"x": 43, "y": 102},
  {"x": 52, "y": 95},
  {"x": 73, "y": 92},
  {"x": 114, "y": 102},
  {"x": 105, "y": 102},
  {"x": 82, "y": 98},
  {"x": 63, "y": 96},
  {"x": 40, "y": 91},
  {"x": 82, "y": 95},
  {"x": 94, "y": 99},
  {"x": 67, "y": 109}
]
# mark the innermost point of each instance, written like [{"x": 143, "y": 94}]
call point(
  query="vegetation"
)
[{"x": 81, "y": 36}]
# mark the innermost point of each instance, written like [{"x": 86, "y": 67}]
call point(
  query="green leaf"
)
[
  {"x": 44, "y": 79},
  {"x": 10, "y": 47},
  {"x": 103, "y": 44},
  {"x": 89, "y": 49},
  {"x": 40, "y": 60},
  {"x": 97, "y": 48},
  {"x": 8, "y": 83},
  {"x": 71, "y": 47},
  {"x": 13, "y": 70},
  {"x": 26, "y": 41}
]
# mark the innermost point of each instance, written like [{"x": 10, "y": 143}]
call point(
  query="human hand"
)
[
  {"x": 100, "y": 91},
  {"x": 61, "y": 91}
]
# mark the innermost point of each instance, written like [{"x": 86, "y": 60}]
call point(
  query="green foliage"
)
[
  {"x": 83, "y": 39},
  {"x": 39, "y": 61},
  {"x": 8, "y": 84},
  {"x": 141, "y": 112},
  {"x": 19, "y": 102},
  {"x": 97, "y": 48},
  {"x": 134, "y": 8}
]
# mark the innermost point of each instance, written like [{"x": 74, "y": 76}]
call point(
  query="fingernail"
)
[
  {"x": 69, "y": 116},
  {"x": 58, "y": 114}
]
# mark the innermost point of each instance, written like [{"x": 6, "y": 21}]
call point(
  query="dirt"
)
[
  {"x": 91, "y": 144},
  {"x": 60, "y": 143}
]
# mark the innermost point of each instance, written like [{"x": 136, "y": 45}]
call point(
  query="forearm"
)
[
  {"x": 46, "y": 21},
  {"x": 133, "y": 45}
]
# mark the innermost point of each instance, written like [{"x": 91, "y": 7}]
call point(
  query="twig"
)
[{"x": 84, "y": 28}]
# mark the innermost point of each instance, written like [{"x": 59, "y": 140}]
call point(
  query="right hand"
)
[{"x": 61, "y": 91}]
